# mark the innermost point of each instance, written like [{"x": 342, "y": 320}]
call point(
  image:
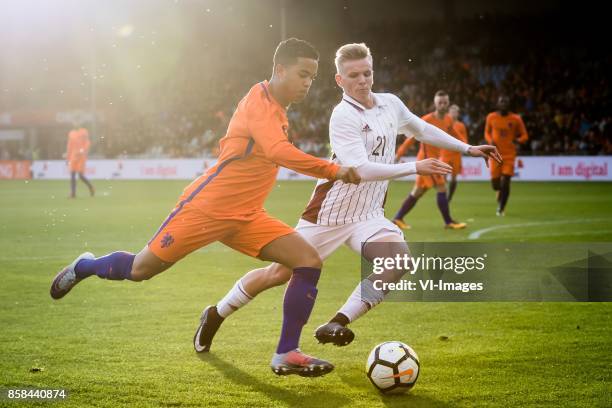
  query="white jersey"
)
[{"x": 358, "y": 135}]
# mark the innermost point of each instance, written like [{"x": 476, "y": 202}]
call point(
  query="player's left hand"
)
[{"x": 486, "y": 152}]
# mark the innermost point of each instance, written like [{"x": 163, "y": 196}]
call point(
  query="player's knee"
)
[
  {"x": 311, "y": 259},
  {"x": 314, "y": 262}
]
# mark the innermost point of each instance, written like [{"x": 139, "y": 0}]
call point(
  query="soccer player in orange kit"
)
[
  {"x": 439, "y": 118},
  {"x": 76, "y": 156},
  {"x": 502, "y": 129},
  {"x": 226, "y": 204},
  {"x": 454, "y": 158}
]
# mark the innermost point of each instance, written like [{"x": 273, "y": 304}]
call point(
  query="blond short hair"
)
[{"x": 351, "y": 52}]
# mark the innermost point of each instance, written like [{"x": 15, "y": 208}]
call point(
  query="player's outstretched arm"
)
[
  {"x": 425, "y": 132},
  {"x": 430, "y": 134},
  {"x": 371, "y": 171},
  {"x": 262, "y": 126}
]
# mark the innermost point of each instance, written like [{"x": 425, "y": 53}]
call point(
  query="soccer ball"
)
[{"x": 393, "y": 367}]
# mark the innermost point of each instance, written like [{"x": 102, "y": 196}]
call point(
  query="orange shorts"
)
[
  {"x": 188, "y": 228},
  {"x": 455, "y": 162},
  {"x": 426, "y": 182},
  {"x": 506, "y": 168},
  {"x": 77, "y": 165}
]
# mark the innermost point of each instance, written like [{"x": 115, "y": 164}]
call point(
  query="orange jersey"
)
[
  {"x": 427, "y": 151},
  {"x": 78, "y": 144},
  {"x": 503, "y": 131},
  {"x": 255, "y": 145},
  {"x": 459, "y": 132},
  {"x": 77, "y": 149}
]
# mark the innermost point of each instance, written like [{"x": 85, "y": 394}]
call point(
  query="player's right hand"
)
[
  {"x": 428, "y": 167},
  {"x": 486, "y": 152},
  {"x": 348, "y": 175}
]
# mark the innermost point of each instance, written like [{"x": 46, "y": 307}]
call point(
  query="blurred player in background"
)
[
  {"x": 226, "y": 203},
  {"x": 503, "y": 129},
  {"x": 442, "y": 120},
  {"x": 454, "y": 158},
  {"x": 76, "y": 157},
  {"x": 363, "y": 129}
]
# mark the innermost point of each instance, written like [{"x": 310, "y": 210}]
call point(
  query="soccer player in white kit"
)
[{"x": 363, "y": 130}]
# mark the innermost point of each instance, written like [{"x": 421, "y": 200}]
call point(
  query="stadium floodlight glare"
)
[{"x": 125, "y": 30}]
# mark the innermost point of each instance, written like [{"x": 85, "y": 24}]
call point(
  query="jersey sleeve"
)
[
  {"x": 464, "y": 134},
  {"x": 72, "y": 148},
  {"x": 488, "y": 134},
  {"x": 85, "y": 144},
  {"x": 408, "y": 123},
  {"x": 69, "y": 148},
  {"x": 371, "y": 171},
  {"x": 86, "y": 141},
  {"x": 425, "y": 132},
  {"x": 522, "y": 131},
  {"x": 266, "y": 129},
  {"x": 437, "y": 137}
]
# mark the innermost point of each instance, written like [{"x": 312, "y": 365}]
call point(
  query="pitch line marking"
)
[{"x": 481, "y": 232}]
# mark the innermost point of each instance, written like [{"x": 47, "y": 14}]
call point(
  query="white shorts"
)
[{"x": 327, "y": 238}]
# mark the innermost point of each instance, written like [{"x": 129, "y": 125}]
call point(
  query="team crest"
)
[{"x": 167, "y": 240}]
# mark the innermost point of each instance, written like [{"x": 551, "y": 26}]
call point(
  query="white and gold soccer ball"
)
[{"x": 393, "y": 367}]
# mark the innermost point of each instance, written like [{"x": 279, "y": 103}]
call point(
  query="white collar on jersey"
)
[{"x": 378, "y": 101}]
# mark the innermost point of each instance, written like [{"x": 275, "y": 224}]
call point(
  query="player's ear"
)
[
  {"x": 280, "y": 71},
  {"x": 338, "y": 80}
]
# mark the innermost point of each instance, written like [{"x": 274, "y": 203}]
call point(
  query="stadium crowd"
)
[{"x": 559, "y": 86}]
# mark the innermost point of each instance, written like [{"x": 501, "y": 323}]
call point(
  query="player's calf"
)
[{"x": 495, "y": 183}]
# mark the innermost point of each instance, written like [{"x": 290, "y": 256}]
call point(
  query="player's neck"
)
[
  {"x": 277, "y": 94},
  {"x": 368, "y": 103},
  {"x": 440, "y": 115},
  {"x": 503, "y": 112}
]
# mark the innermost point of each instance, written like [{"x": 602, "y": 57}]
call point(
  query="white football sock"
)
[
  {"x": 363, "y": 298},
  {"x": 233, "y": 300}
]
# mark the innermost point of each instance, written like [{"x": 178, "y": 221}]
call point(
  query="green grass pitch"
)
[{"x": 129, "y": 344}]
